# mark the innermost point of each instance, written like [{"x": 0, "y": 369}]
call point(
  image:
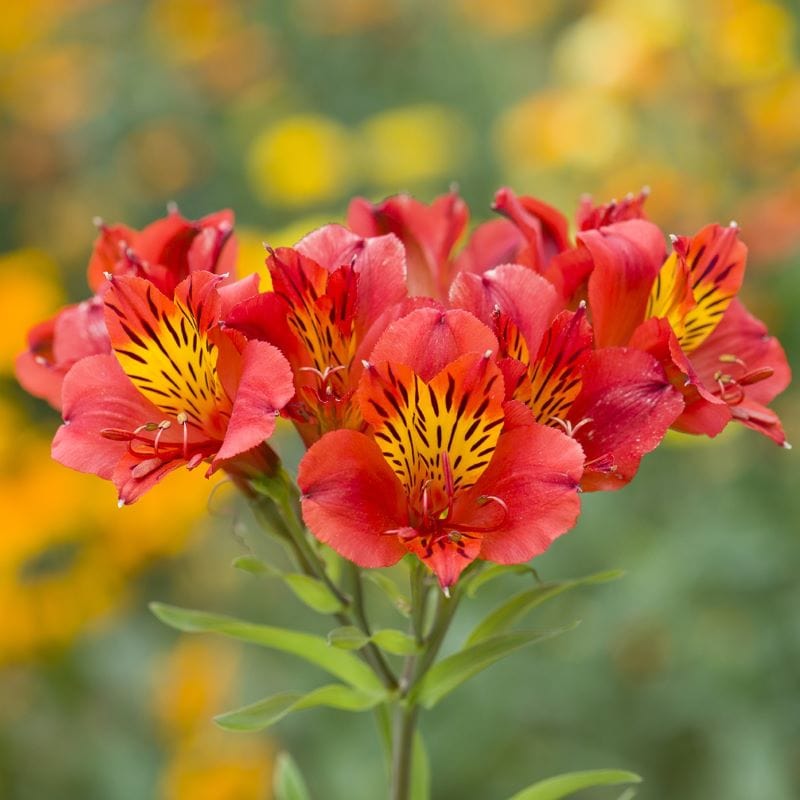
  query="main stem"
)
[
  {"x": 405, "y": 723},
  {"x": 416, "y": 668}
]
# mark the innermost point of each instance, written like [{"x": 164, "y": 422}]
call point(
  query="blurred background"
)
[{"x": 686, "y": 671}]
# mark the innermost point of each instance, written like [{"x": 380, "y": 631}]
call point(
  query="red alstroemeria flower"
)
[
  {"x": 164, "y": 253},
  {"x": 76, "y": 332},
  {"x": 616, "y": 402},
  {"x": 682, "y": 309},
  {"x": 332, "y": 296},
  {"x": 437, "y": 474},
  {"x": 429, "y": 234},
  {"x": 177, "y": 389},
  {"x": 545, "y": 245}
]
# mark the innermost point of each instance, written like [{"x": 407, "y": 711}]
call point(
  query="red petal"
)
[
  {"x": 544, "y": 228},
  {"x": 492, "y": 243},
  {"x": 591, "y": 216},
  {"x": 627, "y": 257},
  {"x": 427, "y": 340},
  {"x": 134, "y": 477},
  {"x": 626, "y": 404},
  {"x": 106, "y": 253},
  {"x": 535, "y": 472},
  {"x": 526, "y": 298},
  {"x": 428, "y": 232},
  {"x": 703, "y": 412},
  {"x": 740, "y": 346},
  {"x": 264, "y": 389},
  {"x": 446, "y": 557},
  {"x": 231, "y": 294},
  {"x": 351, "y": 499},
  {"x": 98, "y": 395}
]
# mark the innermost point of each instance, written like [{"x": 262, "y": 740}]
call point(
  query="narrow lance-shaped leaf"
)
[
  {"x": 389, "y": 640},
  {"x": 399, "y": 600},
  {"x": 565, "y": 785},
  {"x": 497, "y": 571},
  {"x": 266, "y": 712},
  {"x": 520, "y": 604},
  {"x": 452, "y": 671},
  {"x": 288, "y": 783},
  {"x": 313, "y": 649},
  {"x": 314, "y": 593}
]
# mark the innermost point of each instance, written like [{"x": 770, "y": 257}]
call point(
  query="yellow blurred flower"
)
[
  {"x": 404, "y": 147},
  {"x": 189, "y": 30},
  {"x": 620, "y": 45},
  {"x": 56, "y": 87},
  {"x": 31, "y": 293},
  {"x": 25, "y": 24},
  {"x": 343, "y": 17},
  {"x": 220, "y": 768},
  {"x": 773, "y": 111},
  {"x": 67, "y": 553},
  {"x": 300, "y": 160},
  {"x": 506, "y": 18},
  {"x": 746, "y": 40},
  {"x": 195, "y": 682},
  {"x": 579, "y": 129},
  {"x": 164, "y": 157}
]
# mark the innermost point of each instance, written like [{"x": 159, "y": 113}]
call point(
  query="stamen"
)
[
  {"x": 183, "y": 421},
  {"x": 730, "y": 358},
  {"x": 162, "y": 426}
]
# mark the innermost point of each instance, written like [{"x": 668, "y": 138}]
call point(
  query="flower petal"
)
[
  {"x": 265, "y": 387},
  {"x": 525, "y": 298},
  {"x": 427, "y": 340},
  {"x": 627, "y": 257},
  {"x": 624, "y": 409},
  {"x": 352, "y": 501},
  {"x": 98, "y": 395},
  {"x": 535, "y": 472}
]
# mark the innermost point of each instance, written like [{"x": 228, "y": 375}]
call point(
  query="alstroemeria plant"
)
[{"x": 452, "y": 404}]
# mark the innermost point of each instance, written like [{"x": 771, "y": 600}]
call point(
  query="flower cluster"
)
[{"x": 453, "y": 402}]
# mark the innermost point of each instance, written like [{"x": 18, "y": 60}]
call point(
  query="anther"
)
[
  {"x": 673, "y": 238},
  {"x": 172, "y": 207},
  {"x": 99, "y": 223}
]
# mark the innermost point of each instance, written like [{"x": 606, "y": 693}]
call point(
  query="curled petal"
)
[
  {"x": 626, "y": 259},
  {"x": 544, "y": 228},
  {"x": 264, "y": 389}
]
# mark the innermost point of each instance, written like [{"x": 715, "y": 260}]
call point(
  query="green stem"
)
[
  {"x": 285, "y": 515},
  {"x": 403, "y": 744},
  {"x": 414, "y": 671}
]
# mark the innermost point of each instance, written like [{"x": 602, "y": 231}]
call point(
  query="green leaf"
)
[
  {"x": 565, "y": 785},
  {"x": 420, "y": 770},
  {"x": 496, "y": 571},
  {"x": 628, "y": 794},
  {"x": 390, "y": 640},
  {"x": 513, "y": 609},
  {"x": 256, "y": 716},
  {"x": 348, "y": 637},
  {"x": 452, "y": 671},
  {"x": 255, "y": 566},
  {"x": 313, "y": 649},
  {"x": 315, "y": 594},
  {"x": 399, "y": 600},
  {"x": 288, "y": 783},
  {"x": 396, "y": 642}
]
